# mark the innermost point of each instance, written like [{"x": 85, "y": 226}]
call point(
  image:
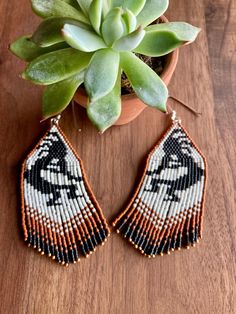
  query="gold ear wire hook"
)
[
  {"x": 55, "y": 120},
  {"x": 184, "y": 105},
  {"x": 174, "y": 117}
]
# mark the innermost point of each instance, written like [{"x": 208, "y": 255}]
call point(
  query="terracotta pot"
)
[{"x": 131, "y": 105}]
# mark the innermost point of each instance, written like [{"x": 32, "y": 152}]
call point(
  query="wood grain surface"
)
[{"x": 117, "y": 279}]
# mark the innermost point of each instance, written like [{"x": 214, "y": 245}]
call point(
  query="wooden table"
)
[{"x": 117, "y": 279}]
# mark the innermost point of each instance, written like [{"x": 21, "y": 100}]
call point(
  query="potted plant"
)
[{"x": 104, "y": 46}]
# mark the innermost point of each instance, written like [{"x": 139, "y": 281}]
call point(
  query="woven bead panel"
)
[{"x": 166, "y": 211}]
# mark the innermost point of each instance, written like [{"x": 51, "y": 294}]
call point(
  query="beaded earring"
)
[
  {"x": 60, "y": 215},
  {"x": 166, "y": 211}
]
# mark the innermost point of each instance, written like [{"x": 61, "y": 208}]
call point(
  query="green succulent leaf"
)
[
  {"x": 146, "y": 83},
  {"x": 130, "y": 41},
  {"x": 57, "y": 96},
  {"x": 82, "y": 39},
  {"x": 130, "y": 21},
  {"x": 105, "y": 111},
  {"x": 152, "y": 10},
  {"x": 84, "y": 5},
  {"x": 49, "y": 30},
  {"x": 112, "y": 27},
  {"x": 183, "y": 31},
  {"x": 50, "y": 8},
  {"x": 27, "y": 50},
  {"x": 156, "y": 44},
  {"x": 106, "y": 6},
  {"x": 163, "y": 38},
  {"x": 133, "y": 5},
  {"x": 95, "y": 14},
  {"x": 56, "y": 66},
  {"x": 101, "y": 74}
]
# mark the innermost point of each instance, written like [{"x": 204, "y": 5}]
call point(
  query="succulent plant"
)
[{"x": 92, "y": 42}]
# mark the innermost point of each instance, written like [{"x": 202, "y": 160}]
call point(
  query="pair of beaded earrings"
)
[{"x": 62, "y": 219}]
